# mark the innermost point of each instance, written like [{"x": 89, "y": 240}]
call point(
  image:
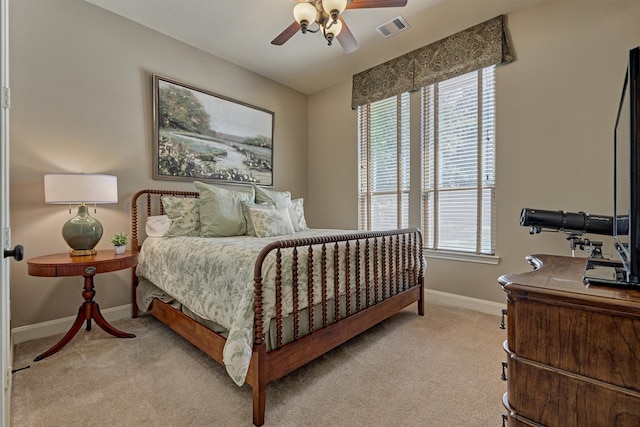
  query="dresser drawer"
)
[
  {"x": 579, "y": 340},
  {"x": 554, "y": 397}
]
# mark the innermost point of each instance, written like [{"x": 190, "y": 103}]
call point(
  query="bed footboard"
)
[
  {"x": 387, "y": 275},
  {"x": 386, "y": 263}
]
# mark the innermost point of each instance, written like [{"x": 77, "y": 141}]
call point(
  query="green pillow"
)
[
  {"x": 184, "y": 214},
  {"x": 282, "y": 199},
  {"x": 221, "y": 210}
]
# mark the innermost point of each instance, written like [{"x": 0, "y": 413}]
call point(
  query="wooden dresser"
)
[{"x": 573, "y": 352}]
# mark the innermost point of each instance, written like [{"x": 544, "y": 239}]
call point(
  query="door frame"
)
[{"x": 6, "y": 348}]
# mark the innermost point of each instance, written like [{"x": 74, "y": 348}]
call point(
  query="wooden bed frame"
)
[{"x": 397, "y": 262}]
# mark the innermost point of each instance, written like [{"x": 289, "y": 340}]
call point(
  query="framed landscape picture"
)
[{"x": 199, "y": 135}]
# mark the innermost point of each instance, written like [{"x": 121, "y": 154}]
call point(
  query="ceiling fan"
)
[{"x": 325, "y": 14}]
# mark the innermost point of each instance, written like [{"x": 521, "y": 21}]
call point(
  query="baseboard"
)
[
  {"x": 60, "y": 326},
  {"x": 483, "y": 306}
]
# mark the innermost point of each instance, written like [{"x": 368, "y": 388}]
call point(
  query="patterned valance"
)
[
  {"x": 385, "y": 80},
  {"x": 477, "y": 47}
]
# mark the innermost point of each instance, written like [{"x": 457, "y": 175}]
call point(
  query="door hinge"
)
[
  {"x": 6, "y": 97},
  {"x": 7, "y": 382},
  {"x": 6, "y": 237}
]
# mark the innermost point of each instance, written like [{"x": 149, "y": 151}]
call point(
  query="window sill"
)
[{"x": 461, "y": 256}]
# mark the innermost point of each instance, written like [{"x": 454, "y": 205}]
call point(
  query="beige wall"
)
[
  {"x": 556, "y": 106},
  {"x": 81, "y": 102}
]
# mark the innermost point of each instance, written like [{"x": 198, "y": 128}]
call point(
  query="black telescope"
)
[{"x": 572, "y": 221}]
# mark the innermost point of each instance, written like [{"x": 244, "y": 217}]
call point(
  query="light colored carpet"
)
[{"x": 442, "y": 369}]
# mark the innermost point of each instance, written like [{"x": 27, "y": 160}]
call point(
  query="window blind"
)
[
  {"x": 459, "y": 163},
  {"x": 383, "y": 135}
]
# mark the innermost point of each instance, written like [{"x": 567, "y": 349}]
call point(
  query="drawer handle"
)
[
  {"x": 503, "y": 377},
  {"x": 504, "y": 420},
  {"x": 504, "y": 313}
]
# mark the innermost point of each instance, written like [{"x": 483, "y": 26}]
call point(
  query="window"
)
[
  {"x": 458, "y": 163},
  {"x": 383, "y": 149}
]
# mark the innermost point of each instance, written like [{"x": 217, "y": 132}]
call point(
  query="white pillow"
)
[
  {"x": 271, "y": 222},
  {"x": 157, "y": 225}
]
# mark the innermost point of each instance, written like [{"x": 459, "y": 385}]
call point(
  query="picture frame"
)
[{"x": 203, "y": 136}]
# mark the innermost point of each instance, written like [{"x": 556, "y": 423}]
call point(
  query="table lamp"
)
[{"x": 82, "y": 232}]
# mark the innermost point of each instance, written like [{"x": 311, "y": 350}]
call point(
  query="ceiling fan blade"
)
[
  {"x": 362, "y": 4},
  {"x": 289, "y": 32},
  {"x": 346, "y": 39}
]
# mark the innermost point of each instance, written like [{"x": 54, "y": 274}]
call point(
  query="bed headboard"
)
[{"x": 153, "y": 207}]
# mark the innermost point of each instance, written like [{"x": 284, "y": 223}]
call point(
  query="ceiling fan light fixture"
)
[
  {"x": 305, "y": 14},
  {"x": 334, "y": 8},
  {"x": 324, "y": 16}
]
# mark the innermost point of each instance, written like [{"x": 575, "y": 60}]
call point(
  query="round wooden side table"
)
[{"x": 59, "y": 265}]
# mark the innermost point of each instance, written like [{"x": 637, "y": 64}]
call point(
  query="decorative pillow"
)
[
  {"x": 157, "y": 225},
  {"x": 281, "y": 199},
  {"x": 184, "y": 215},
  {"x": 221, "y": 210},
  {"x": 247, "y": 215},
  {"x": 296, "y": 211},
  {"x": 271, "y": 222}
]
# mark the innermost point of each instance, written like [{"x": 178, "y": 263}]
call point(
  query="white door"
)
[{"x": 6, "y": 352}]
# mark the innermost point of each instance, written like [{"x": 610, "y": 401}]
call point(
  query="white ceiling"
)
[{"x": 240, "y": 31}]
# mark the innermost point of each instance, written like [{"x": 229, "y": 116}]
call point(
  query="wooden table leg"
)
[
  {"x": 87, "y": 311},
  {"x": 102, "y": 322},
  {"x": 72, "y": 333}
]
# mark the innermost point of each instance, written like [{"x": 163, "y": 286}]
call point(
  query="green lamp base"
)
[{"x": 82, "y": 233}]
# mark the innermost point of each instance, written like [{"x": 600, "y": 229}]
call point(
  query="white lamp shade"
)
[
  {"x": 305, "y": 12},
  {"x": 331, "y": 5},
  {"x": 80, "y": 188}
]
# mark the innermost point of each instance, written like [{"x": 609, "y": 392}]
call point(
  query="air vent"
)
[{"x": 393, "y": 27}]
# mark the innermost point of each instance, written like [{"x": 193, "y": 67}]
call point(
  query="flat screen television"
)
[{"x": 626, "y": 203}]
